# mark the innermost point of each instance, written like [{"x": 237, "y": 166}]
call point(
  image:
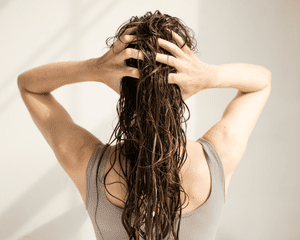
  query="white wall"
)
[{"x": 39, "y": 201}]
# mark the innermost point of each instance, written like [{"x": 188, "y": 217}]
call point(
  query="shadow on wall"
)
[
  {"x": 3, "y": 4},
  {"x": 30, "y": 203},
  {"x": 69, "y": 26},
  {"x": 63, "y": 227},
  {"x": 223, "y": 236},
  {"x": 38, "y": 196}
]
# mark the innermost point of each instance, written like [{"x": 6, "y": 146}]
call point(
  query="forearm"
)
[
  {"x": 242, "y": 76},
  {"x": 49, "y": 77}
]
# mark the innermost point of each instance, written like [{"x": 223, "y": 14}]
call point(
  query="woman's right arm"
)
[
  {"x": 241, "y": 76},
  {"x": 230, "y": 134}
]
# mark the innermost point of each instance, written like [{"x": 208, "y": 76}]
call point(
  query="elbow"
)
[
  {"x": 268, "y": 78},
  {"x": 20, "y": 78},
  {"x": 268, "y": 86},
  {"x": 21, "y": 81}
]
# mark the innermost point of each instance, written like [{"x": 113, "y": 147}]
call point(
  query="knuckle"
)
[
  {"x": 128, "y": 51},
  {"x": 134, "y": 72},
  {"x": 171, "y": 79},
  {"x": 158, "y": 57},
  {"x": 127, "y": 38},
  {"x": 171, "y": 60},
  {"x": 140, "y": 54}
]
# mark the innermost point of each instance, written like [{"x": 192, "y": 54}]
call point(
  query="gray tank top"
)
[{"x": 200, "y": 224}]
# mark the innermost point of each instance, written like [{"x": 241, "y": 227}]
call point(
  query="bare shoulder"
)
[
  {"x": 230, "y": 135},
  {"x": 223, "y": 146}
]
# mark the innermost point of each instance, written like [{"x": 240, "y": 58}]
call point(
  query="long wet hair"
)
[{"x": 149, "y": 133}]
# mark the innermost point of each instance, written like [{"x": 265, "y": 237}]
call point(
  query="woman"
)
[{"x": 153, "y": 183}]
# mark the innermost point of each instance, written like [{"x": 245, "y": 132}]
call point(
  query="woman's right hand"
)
[{"x": 192, "y": 74}]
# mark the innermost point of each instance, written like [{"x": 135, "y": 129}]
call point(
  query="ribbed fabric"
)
[{"x": 200, "y": 224}]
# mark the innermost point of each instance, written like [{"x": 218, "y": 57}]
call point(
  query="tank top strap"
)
[{"x": 215, "y": 164}]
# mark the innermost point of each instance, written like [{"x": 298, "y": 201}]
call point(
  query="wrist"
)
[
  {"x": 210, "y": 76},
  {"x": 91, "y": 70}
]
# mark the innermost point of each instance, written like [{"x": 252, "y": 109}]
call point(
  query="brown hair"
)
[{"x": 150, "y": 115}]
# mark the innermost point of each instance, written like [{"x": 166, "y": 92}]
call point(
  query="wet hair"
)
[{"x": 153, "y": 146}]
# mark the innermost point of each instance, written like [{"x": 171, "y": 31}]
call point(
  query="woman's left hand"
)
[{"x": 111, "y": 67}]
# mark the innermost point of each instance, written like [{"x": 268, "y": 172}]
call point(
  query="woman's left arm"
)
[
  {"x": 108, "y": 69},
  {"x": 72, "y": 144},
  {"x": 46, "y": 78}
]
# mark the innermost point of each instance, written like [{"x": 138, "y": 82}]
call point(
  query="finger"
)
[
  {"x": 129, "y": 30},
  {"x": 172, "y": 78},
  {"x": 180, "y": 41},
  {"x": 132, "y": 72},
  {"x": 171, "y": 47},
  {"x": 123, "y": 42},
  {"x": 126, "y": 37},
  {"x": 132, "y": 53},
  {"x": 166, "y": 59}
]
